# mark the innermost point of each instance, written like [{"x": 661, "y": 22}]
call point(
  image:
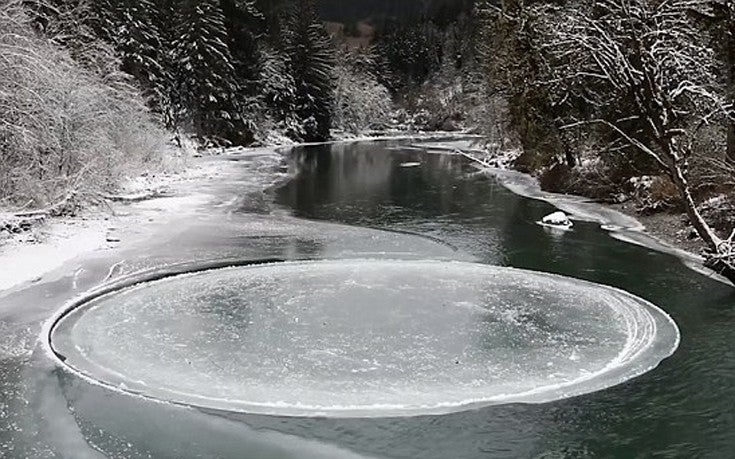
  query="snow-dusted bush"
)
[
  {"x": 65, "y": 132},
  {"x": 361, "y": 102}
]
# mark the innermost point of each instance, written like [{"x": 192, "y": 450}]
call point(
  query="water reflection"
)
[{"x": 682, "y": 409}]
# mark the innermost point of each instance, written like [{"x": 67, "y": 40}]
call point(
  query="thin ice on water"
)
[{"x": 364, "y": 338}]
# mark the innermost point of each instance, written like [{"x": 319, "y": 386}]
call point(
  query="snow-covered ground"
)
[
  {"x": 27, "y": 257},
  {"x": 145, "y": 203}
]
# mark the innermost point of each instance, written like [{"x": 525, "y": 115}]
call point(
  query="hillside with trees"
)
[
  {"x": 223, "y": 72},
  {"x": 619, "y": 100}
]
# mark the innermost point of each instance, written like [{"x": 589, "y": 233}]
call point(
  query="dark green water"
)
[
  {"x": 331, "y": 207},
  {"x": 684, "y": 408}
]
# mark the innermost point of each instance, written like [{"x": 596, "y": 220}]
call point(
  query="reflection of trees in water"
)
[
  {"x": 338, "y": 176},
  {"x": 365, "y": 183}
]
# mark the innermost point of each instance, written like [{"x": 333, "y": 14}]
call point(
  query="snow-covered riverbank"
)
[
  {"x": 664, "y": 232},
  {"x": 28, "y": 256},
  {"x": 155, "y": 201}
]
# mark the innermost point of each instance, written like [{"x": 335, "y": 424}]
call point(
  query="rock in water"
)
[{"x": 558, "y": 219}]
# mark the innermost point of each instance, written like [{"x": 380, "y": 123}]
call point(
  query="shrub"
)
[
  {"x": 65, "y": 131},
  {"x": 361, "y": 102}
]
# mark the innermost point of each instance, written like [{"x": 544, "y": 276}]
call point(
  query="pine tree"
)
[
  {"x": 409, "y": 53},
  {"x": 311, "y": 62},
  {"x": 277, "y": 88},
  {"x": 245, "y": 25},
  {"x": 169, "y": 97},
  {"x": 205, "y": 76},
  {"x": 138, "y": 41}
]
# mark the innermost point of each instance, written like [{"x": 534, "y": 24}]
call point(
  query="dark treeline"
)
[
  {"x": 432, "y": 65},
  {"x": 227, "y": 69},
  {"x": 379, "y": 11},
  {"x": 213, "y": 68}
]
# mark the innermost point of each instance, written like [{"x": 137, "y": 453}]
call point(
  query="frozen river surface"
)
[{"x": 363, "y": 338}]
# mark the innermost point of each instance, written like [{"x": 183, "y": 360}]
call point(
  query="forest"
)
[{"x": 617, "y": 100}]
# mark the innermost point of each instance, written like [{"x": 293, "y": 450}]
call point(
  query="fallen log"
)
[
  {"x": 137, "y": 197},
  {"x": 66, "y": 206}
]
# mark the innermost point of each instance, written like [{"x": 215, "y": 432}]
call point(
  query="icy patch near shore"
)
[
  {"x": 26, "y": 262},
  {"x": 363, "y": 338},
  {"x": 29, "y": 256}
]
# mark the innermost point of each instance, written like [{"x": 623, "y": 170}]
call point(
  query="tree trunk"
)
[
  {"x": 731, "y": 140},
  {"x": 700, "y": 225},
  {"x": 731, "y": 85}
]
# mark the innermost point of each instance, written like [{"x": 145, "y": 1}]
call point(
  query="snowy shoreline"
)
[
  {"x": 28, "y": 256},
  {"x": 61, "y": 240},
  {"x": 656, "y": 232}
]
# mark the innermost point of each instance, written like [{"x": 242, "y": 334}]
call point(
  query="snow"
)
[
  {"x": 23, "y": 261},
  {"x": 28, "y": 256},
  {"x": 715, "y": 201},
  {"x": 486, "y": 156},
  {"x": 557, "y": 219}
]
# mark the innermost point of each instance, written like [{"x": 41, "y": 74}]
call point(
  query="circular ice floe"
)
[{"x": 362, "y": 338}]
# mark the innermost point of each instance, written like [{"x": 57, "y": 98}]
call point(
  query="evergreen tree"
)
[
  {"x": 168, "y": 104},
  {"x": 138, "y": 41},
  {"x": 278, "y": 91},
  {"x": 311, "y": 62},
  {"x": 206, "y": 83},
  {"x": 245, "y": 26},
  {"x": 409, "y": 53}
]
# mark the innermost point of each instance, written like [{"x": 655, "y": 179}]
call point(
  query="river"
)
[{"x": 386, "y": 200}]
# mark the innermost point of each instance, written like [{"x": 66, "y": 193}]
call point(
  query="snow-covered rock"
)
[{"x": 558, "y": 220}]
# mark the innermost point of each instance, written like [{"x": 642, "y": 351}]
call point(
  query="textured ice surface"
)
[{"x": 364, "y": 338}]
